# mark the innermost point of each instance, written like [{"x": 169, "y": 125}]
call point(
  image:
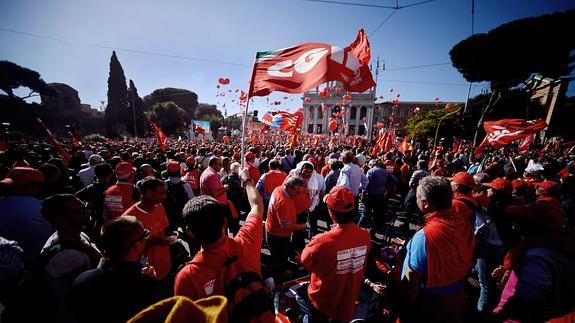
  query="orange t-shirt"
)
[
  {"x": 117, "y": 199},
  {"x": 273, "y": 179},
  {"x": 281, "y": 210},
  {"x": 336, "y": 260},
  {"x": 254, "y": 172},
  {"x": 157, "y": 222}
]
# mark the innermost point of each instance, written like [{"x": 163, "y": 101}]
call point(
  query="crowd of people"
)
[{"x": 121, "y": 226}]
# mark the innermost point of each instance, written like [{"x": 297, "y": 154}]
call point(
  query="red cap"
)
[
  {"x": 462, "y": 178},
  {"x": 517, "y": 184},
  {"x": 124, "y": 169},
  {"x": 547, "y": 184},
  {"x": 500, "y": 184},
  {"x": 249, "y": 155},
  {"x": 340, "y": 199},
  {"x": 173, "y": 166},
  {"x": 190, "y": 161},
  {"x": 22, "y": 176}
]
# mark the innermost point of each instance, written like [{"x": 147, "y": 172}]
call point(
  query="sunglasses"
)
[{"x": 144, "y": 236}]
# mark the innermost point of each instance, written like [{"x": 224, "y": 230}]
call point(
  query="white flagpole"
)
[{"x": 244, "y": 122}]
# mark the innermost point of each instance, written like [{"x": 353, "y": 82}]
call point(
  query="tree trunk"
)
[{"x": 487, "y": 108}]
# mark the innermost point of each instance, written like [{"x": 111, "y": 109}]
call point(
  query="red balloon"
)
[
  {"x": 398, "y": 95},
  {"x": 448, "y": 106},
  {"x": 285, "y": 97},
  {"x": 436, "y": 99},
  {"x": 416, "y": 110},
  {"x": 332, "y": 125},
  {"x": 381, "y": 97},
  {"x": 307, "y": 100},
  {"x": 218, "y": 86},
  {"x": 224, "y": 81},
  {"x": 390, "y": 90}
]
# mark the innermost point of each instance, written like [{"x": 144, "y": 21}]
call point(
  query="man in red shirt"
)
[
  {"x": 192, "y": 175},
  {"x": 121, "y": 196},
  {"x": 336, "y": 260},
  {"x": 462, "y": 185},
  {"x": 210, "y": 181},
  {"x": 151, "y": 213},
  {"x": 281, "y": 222},
  {"x": 269, "y": 181},
  {"x": 205, "y": 220},
  {"x": 254, "y": 171}
]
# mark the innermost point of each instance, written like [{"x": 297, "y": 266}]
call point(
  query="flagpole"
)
[{"x": 244, "y": 121}]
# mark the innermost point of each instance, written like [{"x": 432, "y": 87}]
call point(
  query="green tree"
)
[
  {"x": 136, "y": 104},
  {"x": 116, "y": 111},
  {"x": 425, "y": 123},
  {"x": 185, "y": 99},
  {"x": 169, "y": 117}
]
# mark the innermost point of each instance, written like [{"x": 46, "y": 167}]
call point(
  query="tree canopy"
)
[
  {"x": 169, "y": 117},
  {"x": 185, "y": 99},
  {"x": 13, "y": 76},
  {"x": 510, "y": 53}
]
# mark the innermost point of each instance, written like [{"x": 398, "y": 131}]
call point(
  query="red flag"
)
[
  {"x": 299, "y": 68},
  {"x": 481, "y": 148},
  {"x": 405, "y": 145},
  {"x": 502, "y": 132},
  {"x": 162, "y": 139},
  {"x": 267, "y": 119},
  {"x": 525, "y": 145},
  {"x": 292, "y": 140},
  {"x": 287, "y": 121},
  {"x": 63, "y": 153}
]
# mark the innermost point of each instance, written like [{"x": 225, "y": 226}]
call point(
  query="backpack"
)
[
  {"x": 176, "y": 198},
  {"x": 486, "y": 234},
  {"x": 248, "y": 297}
]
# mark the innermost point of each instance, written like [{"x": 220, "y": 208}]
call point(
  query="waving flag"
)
[
  {"x": 287, "y": 121},
  {"x": 63, "y": 153},
  {"x": 162, "y": 139},
  {"x": 267, "y": 119},
  {"x": 505, "y": 131},
  {"x": 299, "y": 68}
]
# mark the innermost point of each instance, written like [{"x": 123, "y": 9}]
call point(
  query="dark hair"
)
[
  {"x": 204, "y": 216},
  {"x": 116, "y": 236},
  {"x": 150, "y": 183},
  {"x": 274, "y": 164},
  {"x": 103, "y": 170},
  {"x": 344, "y": 217},
  {"x": 294, "y": 181},
  {"x": 307, "y": 165},
  {"x": 55, "y": 205}
]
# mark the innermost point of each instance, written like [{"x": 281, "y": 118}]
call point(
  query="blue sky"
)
[{"x": 232, "y": 31}]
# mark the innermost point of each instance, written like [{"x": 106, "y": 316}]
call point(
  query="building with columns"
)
[
  {"x": 359, "y": 119},
  {"x": 364, "y": 111}
]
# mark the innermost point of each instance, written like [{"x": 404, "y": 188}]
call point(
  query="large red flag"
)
[
  {"x": 162, "y": 139},
  {"x": 525, "y": 145},
  {"x": 505, "y": 131},
  {"x": 299, "y": 68},
  {"x": 63, "y": 153}
]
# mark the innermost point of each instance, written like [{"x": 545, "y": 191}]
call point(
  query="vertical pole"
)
[
  {"x": 244, "y": 121},
  {"x": 134, "y": 113},
  {"x": 472, "y": 32}
]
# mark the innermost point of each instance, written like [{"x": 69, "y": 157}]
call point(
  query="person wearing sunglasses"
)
[{"x": 118, "y": 288}]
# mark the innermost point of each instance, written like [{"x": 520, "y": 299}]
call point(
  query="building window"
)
[
  {"x": 362, "y": 112},
  {"x": 361, "y": 130},
  {"x": 353, "y": 112}
]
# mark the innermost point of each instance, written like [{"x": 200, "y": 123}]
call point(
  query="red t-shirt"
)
[
  {"x": 157, "y": 222},
  {"x": 117, "y": 199},
  {"x": 273, "y": 179},
  {"x": 281, "y": 209},
  {"x": 254, "y": 172},
  {"x": 325, "y": 170},
  {"x": 336, "y": 260},
  {"x": 210, "y": 182},
  {"x": 193, "y": 178},
  {"x": 201, "y": 279}
]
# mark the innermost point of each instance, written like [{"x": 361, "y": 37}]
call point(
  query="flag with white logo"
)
[
  {"x": 299, "y": 68},
  {"x": 505, "y": 131}
]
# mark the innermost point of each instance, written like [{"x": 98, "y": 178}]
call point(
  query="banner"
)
[
  {"x": 505, "y": 131},
  {"x": 59, "y": 149},
  {"x": 162, "y": 139},
  {"x": 299, "y": 68}
]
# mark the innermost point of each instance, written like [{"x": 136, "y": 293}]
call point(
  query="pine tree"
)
[
  {"x": 137, "y": 105},
  {"x": 117, "y": 110}
]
